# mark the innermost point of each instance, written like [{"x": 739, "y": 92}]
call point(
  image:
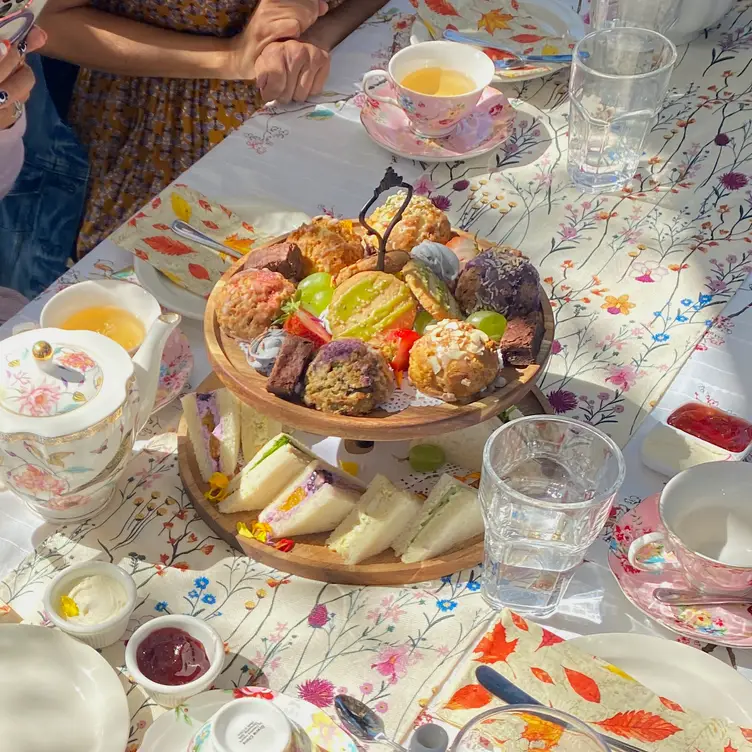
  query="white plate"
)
[
  {"x": 170, "y": 295},
  {"x": 57, "y": 693},
  {"x": 553, "y": 16},
  {"x": 678, "y": 672},
  {"x": 174, "y": 729}
]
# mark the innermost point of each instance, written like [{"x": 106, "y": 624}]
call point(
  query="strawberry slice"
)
[
  {"x": 306, "y": 325},
  {"x": 405, "y": 339}
]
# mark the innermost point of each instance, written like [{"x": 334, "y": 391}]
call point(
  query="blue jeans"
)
[{"x": 40, "y": 217}]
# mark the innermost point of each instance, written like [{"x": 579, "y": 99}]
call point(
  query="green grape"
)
[
  {"x": 422, "y": 320},
  {"x": 314, "y": 284},
  {"x": 426, "y": 458},
  {"x": 319, "y": 302},
  {"x": 490, "y": 322}
]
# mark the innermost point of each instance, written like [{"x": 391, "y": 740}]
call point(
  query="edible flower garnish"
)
[
  {"x": 243, "y": 530},
  {"x": 285, "y": 545},
  {"x": 262, "y": 532},
  {"x": 218, "y": 484},
  {"x": 68, "y": 607},
  {"x": 351, "y": 468}
]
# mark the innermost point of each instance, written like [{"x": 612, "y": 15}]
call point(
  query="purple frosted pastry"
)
[
  {"x": 498, "y": 281},
  {"x": 442, "y": 261},
  {"x": 348, "y": 377},
  {"x": 263, "y": 351}
]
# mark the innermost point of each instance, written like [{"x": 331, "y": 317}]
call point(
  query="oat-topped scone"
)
[
  {"x": 250, "y": 302},
  {"x": 453, "y": 361},
  {"x": 421, "y": 221},
  {"x": 327, "y": 244}
]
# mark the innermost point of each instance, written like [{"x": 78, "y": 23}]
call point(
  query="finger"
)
[
  {"x": 323, "y": 7},
  {"x": 322, "y": 75},
  {"x": 17, "y": 88},
  {"x": 297, "y": 58},
  {"x": 9, "y": 60},
  {"x": 305, "y": 84},
  {"x": 35, "y": 40},
  {"x": 271, "y": 73}
]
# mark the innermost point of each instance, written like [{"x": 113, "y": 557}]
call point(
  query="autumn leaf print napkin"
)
[
  {"x": 511, "y": 22},
  {"x": 553, "y": 671},
  {"x": 147, "y": 234}
]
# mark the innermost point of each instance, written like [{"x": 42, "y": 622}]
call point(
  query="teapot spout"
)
[{"x": 147, "y": 362}]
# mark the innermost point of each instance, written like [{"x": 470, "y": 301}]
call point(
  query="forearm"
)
[
  {"x": 340, "y": 22},
  {"x": 105, "y": 42}
]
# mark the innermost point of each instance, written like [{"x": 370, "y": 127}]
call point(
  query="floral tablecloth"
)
[{"x": 636, "y": 278}]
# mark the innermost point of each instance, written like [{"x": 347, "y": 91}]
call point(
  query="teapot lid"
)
[{"x": 54, "y": 382}]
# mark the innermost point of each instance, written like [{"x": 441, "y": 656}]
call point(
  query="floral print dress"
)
[{"x": 142, "y": 133}]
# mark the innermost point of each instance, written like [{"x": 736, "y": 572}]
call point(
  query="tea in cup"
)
[
  {"x": 120, "y": 310},
  {"x": 707, "y": 518},
  {"x": 437, "y": 84}
]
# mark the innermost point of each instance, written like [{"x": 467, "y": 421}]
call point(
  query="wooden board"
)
[
  {"x": 310, "y": 558},
  {"x": 230, "y": 364}
]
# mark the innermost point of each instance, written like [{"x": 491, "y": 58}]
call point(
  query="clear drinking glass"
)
[
  {"x": 658, "y": 15},
  {"x": 618, "y": 81},
  {"x": 527, "y": 728},
  {"x": 546, "y": 491}
]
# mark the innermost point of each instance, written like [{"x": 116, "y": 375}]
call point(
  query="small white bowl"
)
[
  {"x": 171, "y": 696},
  {"x": 96, "y": 635}
]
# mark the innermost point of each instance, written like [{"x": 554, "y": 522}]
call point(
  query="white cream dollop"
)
[{"x": 98, "y": 598}]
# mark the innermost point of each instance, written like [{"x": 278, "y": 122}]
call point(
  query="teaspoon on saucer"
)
[
  {"x": 362, "y": 722},
  {"x": 672, "y": 597}
]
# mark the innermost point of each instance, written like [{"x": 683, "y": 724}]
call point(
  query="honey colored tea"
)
[
  {"x": 116, "y": 323},
  {"x": 438, "y": 82}
]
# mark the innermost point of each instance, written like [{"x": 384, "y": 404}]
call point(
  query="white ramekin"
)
[
  {"x": 96, "y": 635},
  {"x": 163, "y": 694}
]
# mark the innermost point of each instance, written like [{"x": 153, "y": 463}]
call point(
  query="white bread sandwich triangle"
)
[
  {"x": 255, "y": 430},
  {"x": 315, "y": 502},
  {"x": 269, "y": 472},
  {"x": 213, "y": 421},
  {"x": 381, "y": 515},
  {"x": 450, "y": 516},
  {"x": 464, "y": 448}
]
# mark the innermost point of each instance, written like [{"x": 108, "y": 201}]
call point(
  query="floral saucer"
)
[
  {"x": 175, "y": 370},
  {"x": 729, "y": 626},
  {"x": 173, "y": 730},
  {"x": 490, "y": 125}
]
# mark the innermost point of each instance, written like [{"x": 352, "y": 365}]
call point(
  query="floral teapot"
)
[{"x": 71, "y": 406}]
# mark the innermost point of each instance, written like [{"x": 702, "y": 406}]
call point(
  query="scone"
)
[
  {"x": 327, "y": 244},
  {"x": 421, "y": 221}
]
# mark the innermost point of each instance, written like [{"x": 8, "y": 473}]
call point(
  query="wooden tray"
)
[
  {"x": 310, "y": 558},
  {"x": 230, "y": 364}
]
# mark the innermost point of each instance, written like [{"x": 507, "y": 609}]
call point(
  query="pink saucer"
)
[
  {"x": 490, "y": 125},
  {"x": 730, "y": 626},
  {"x": 175, "y": 370}
]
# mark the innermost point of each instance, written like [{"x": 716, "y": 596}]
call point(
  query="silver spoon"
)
[
  {"x": 189, "y": 232},
  {"x": 672, "y": 597},
  {"x": 515, "y": 62},
  {"x": 362, "y": 722}
]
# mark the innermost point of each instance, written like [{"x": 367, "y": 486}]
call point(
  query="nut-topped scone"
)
[
  {"x": 348, "y": 377},
  {"x": 250, "y": 302},
  {"x": 496, "y": 280},
  {"x": 327, "y": 244},
  {"x": 453, "y": 361},
  {"x": 421, "y": 221},
  {"x": 369, "y": 304}
]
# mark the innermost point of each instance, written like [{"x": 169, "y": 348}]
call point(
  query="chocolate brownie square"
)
[
  {"x": 290, "y": 366},
  {"x": 284, "y": 258},
  {"x": 522, "y": 339}
]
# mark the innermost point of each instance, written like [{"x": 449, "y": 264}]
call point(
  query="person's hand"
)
[
  {"x": 291, "y": 71},
  {"x": 16, "y": 78},
  {"x": 272, "y": 21}
]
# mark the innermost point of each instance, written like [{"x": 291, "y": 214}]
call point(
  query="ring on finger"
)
[{"x": 18, "y": 110}]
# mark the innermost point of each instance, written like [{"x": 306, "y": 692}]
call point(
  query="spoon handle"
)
[
  {"x": 672, "y": 597},
  {"x": 502, "y": 688},
  {"x": 455, "y": 36},
  {"x": 189, "y": 232}
]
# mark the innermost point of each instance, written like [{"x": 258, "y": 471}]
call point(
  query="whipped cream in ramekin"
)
[{"x": 97, "y": 598}]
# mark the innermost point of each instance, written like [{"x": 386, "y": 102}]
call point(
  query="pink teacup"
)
[
  {"x": 707, "y": 516},
  {"x": 433, "y": 115}
]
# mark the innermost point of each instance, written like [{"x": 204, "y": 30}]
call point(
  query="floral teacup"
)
[
  {"x": 708, "y": 528},
  {"x": 433, "y": 115}
]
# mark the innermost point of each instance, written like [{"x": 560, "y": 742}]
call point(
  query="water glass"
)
[
  {"x": 658, "y": 15},
  {"x": 617, "y": 85},
  {"x": 527, "y": 728},
  {"x": 546, "y": 490}
]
